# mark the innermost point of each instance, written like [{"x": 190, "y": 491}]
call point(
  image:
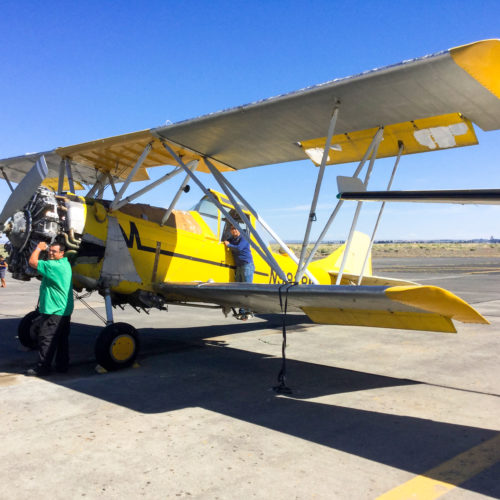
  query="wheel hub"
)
[{"x": 122, "y": 348}]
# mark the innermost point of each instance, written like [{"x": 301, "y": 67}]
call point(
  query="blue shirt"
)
[{"x": 241, "y": 250}]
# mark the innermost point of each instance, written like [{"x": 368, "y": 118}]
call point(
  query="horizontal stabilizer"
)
[
  {"x": 464, "y": 196},
  {"x": 403, "y": 307},
  {"x": 349, "y": 184}
]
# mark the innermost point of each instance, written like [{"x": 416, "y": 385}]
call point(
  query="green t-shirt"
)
[{"x": 56, "y": 290}]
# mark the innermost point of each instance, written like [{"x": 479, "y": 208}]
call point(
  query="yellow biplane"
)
[{"x": 148, "y": 257}]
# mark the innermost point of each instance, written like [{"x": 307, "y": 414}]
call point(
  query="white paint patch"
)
[
  {"x": 316, "y": 154},
  {"x": 440, "y": 137}
]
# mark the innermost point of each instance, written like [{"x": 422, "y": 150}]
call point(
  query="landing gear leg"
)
[
  {"x": 109, "y": 307},
  {"x": 117, "y": 345}
]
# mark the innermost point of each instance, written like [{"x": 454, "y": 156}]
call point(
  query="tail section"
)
[
  {"x": 355, "y": 259},
  {"x": 354, "y": 265}
]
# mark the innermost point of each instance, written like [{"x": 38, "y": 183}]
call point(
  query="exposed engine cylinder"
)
[{"x": 42, "y": 219}]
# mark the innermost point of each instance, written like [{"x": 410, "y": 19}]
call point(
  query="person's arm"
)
[{"x": 33, "y": 262}]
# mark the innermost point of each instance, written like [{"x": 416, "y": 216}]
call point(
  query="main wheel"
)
[
  {"x": 117, "y": 346},
  {"x": 24, "y": 333}
]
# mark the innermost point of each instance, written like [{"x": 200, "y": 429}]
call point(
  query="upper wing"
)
[
  {"x": 116, "y": 156},
  {"x": 428, "y": 103},
  {"x": 406, "y": 307},
  {"x": 462, "y": 80}
]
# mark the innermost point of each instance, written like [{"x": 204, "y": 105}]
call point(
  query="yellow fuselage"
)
[{"x": 188, "y": 252}]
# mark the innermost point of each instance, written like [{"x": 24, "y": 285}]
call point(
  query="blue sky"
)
[{"x": 77, "y": 71}]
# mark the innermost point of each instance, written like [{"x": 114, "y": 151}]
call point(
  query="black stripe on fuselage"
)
[{"x": 134, "y": 235}]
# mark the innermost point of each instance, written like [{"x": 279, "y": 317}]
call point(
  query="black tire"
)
[
  {"x": 24, "y": 333},
  {"x": 117, "y": 346}
]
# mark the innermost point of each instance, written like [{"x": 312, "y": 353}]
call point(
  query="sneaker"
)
[{"x": 37, "y": 372}]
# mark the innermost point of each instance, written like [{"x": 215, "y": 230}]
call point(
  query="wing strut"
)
[
  {"x": 223, "y": 181},
  {"x": 141, "y": 159},
  {"x": 381, "y": 211},
  {"x": 97, "y": 185},
  {"x": 149, "y": 187},
  {"x": 358, "y": 209},
  {"x": 319, "y": 180},
  {"x": 223, "y": 210},
  {"x": 111, "y": 183},
  {"x": 69, "y": 174},
  {"x": 192, "y": 167},
  {"x": 62, "y": 173},
  {"x": 376, "y": 139}
]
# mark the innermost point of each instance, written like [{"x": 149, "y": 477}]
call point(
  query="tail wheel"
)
[
  {"x": 24, "y": 331},
  {"x": 117, "y": 346}
]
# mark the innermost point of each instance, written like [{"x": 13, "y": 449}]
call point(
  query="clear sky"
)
[{"x": 73, "y": 72}]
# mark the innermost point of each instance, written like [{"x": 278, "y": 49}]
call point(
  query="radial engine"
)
[{"x": 46, "y": 217}]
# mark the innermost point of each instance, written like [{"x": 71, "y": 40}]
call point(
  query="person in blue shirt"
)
[
  {"x": 242, "y": 254},
  {"x": 243, "y": 259}
]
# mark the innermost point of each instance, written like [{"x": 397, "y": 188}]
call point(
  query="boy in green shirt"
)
[{"x": 55, "y": 307}]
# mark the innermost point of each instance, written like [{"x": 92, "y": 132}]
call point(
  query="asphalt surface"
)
[{"x": 372, "y": 413}]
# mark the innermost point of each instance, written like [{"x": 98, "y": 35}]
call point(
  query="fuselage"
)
[
  {"x": 129, "y": 251},
  {"x": 187, "y": 248}
]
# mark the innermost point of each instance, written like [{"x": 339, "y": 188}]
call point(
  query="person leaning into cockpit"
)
[
  {"x": 242, "y": 254},
  {"x": 243, "y": 259}
]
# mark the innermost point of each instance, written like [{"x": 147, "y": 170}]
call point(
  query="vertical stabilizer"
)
[{"x": 355, "y": 260}]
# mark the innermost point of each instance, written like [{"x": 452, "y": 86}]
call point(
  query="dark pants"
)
[{"x": 52, "y": 332}]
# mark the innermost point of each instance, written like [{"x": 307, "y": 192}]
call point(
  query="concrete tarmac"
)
[{"x": 373, "y": 413}]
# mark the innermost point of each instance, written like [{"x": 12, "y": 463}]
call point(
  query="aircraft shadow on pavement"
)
[{"x": 238, "y": 384}]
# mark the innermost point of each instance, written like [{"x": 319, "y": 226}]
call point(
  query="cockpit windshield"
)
[
  {"x": 216, "y": 221},
  {"x": 209, "y": 213}
]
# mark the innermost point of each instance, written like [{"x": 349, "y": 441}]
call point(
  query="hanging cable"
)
[{"x": 282, "y": 388}]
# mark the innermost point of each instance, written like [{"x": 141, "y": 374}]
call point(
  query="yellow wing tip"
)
[
  {"x": 482, "y": 61},
  {"x": 438, "y": 300}
]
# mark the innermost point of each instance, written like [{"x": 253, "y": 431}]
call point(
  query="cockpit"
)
[{"x": 215, "y": 220}]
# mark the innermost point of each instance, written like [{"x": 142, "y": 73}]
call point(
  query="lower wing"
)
[{"x": 403, "y": 307}]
